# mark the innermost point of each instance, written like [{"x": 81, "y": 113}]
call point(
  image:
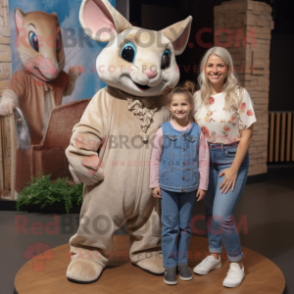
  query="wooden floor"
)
[{"x": 120, "y": 276}]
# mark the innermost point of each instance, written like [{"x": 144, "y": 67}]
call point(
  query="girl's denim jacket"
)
[{"x": 178, "y": 171}]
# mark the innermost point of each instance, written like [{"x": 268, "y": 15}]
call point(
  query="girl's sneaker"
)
[
  {"x": 185, "y": 273},
  {"x": 170, "y": 276},
  {"x": 207, "y": 264},
  {"x": 234, "y": 276}
]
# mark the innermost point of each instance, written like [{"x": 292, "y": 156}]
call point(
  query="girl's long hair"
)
[{"x": 231, "y": 87}]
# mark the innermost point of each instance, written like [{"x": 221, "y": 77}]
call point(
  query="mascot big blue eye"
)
[
  {"x": 128, "y": 52},
  {"x": 165, "y": 61},
  {"x": 34, "y": 41},
  {"x": 58, "y": 42}
]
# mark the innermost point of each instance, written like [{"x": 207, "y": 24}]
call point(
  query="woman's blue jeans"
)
[
  {"x": 220, "y": 207},
  {"x": 175, "y": 217}
]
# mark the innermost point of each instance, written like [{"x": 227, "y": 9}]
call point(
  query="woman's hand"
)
[
  {"x": 229, "y": 180},
  {"x": 200, "y": 194},
  {"x": 156, "y": 192},
  {"x": 231, "y": 173}
]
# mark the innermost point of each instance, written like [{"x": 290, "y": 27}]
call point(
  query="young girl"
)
[
  {"x": 179, "y": 166},
  {"x": 225, "y": 113}
]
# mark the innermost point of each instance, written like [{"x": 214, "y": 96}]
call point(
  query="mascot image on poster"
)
[
  {"x": 42, "y": 83},
  {"x": 48, "y": 72},
  {"x": 131, "y": 108}
]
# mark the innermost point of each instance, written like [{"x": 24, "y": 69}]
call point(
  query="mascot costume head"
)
[{"x": 110, "y": 148}]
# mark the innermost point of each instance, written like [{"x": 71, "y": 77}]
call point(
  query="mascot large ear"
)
[
  {"x": 178, "y": 34},
  {"x": 18, "y": 17},
  {"x": 101, "y": 21}
]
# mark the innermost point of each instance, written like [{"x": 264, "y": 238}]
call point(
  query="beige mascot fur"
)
[{"x": 118, "y": 126}]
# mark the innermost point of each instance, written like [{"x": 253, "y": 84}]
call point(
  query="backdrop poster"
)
[{"x": 53, "y": 72}]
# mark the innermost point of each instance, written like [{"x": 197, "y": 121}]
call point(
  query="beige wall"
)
[{"x": 253, "y": 18}]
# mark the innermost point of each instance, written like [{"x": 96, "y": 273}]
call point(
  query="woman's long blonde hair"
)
[{"x": 231, "y": 85}]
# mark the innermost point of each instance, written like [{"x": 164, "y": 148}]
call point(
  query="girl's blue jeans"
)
[
  {"x": 220, "y": 207},
  {"x": 176, "y": 216}
]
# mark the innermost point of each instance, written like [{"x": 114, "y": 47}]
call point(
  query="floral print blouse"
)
[{"x": 223, "y": 126}]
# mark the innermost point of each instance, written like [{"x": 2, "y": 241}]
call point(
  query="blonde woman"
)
[{"x": 224, "y": 111}]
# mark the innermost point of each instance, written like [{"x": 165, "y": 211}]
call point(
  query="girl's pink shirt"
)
[{"x": 203, "y": 160}]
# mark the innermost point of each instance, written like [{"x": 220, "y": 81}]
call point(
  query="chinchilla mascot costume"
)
[{"x": 110, "y": 148}]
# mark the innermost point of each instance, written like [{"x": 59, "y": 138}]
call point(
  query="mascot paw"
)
[
  {"x": 153, "y": 265},
  {"x": 7, "y": 107},
  {"x": 83, "y": 271}
]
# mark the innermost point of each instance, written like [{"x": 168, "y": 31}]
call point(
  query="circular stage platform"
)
[{"x": 46, "y": 274}]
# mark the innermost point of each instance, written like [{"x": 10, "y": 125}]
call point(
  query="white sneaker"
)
[
  {"x": 207, "y": 264},
  {"x": 234, "y": 276}
]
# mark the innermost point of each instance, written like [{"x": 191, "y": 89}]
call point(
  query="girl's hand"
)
[
  {"x": 229, "y": 180},
  {"x": 200, "y": 194},
  {"x": 156, "y": 192}
]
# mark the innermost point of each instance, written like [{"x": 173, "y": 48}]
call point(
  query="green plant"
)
[{"x": 45, "y": 192}]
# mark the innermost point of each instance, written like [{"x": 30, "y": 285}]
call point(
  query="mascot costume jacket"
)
[{"x": 110, "y": 148}]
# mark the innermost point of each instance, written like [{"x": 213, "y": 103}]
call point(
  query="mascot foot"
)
[
  {"x": 83, "y": 271},
  {"x": 153, "y": 265}
]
